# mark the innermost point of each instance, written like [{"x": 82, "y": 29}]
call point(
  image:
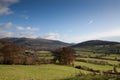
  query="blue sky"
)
[{"x": 65, "y": 20}]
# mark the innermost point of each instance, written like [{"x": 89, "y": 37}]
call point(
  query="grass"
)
[
  {"x": 45, "y": 52},
  {"x": 112, "y": 56},
  {"x": 37, "y": 72},
  {"x": 45, "y": 55},
  {"x": 87, "y": 54},
  {"x": 96, "y": 67},
  {"x": 52, "y": 71},
  {"x": 109, "y": 61},
  {"x": 97, "y": 77}
]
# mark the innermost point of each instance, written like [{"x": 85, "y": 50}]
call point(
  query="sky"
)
[{"x": 70, "y": 21}]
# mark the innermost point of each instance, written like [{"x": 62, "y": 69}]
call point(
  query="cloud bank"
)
[
  {"x": 52, "y": 36},
  {"x": 5, "y": 6},
  {"x": 6, "y": 25},
  {"x": 31, "y": 32},
  {"x": 28, "y": 28},
  {"x": 108, "y": 35},
  {"x": 5, "y": 31}
]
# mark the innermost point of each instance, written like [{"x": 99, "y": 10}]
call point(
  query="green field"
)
[
  {"x": 87, "y": 54},
  {"x": 112, "y": 56},
  {"x": 45, "y": 55},
  {"x": 37, "y": 72},
  {"x": 93, "y": 59},
  {"x": 53, "y": 71},
  {"x": 95, "y": 66}
]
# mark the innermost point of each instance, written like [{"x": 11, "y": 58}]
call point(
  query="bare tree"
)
[
  {"x": 64, "y": 56},
  {"x": 12, "y": 54}
]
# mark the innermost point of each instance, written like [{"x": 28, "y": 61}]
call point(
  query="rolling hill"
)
[
  {"x": 4, "y": 43},
  {"x": 95, "y": 43},
  {"x": 37, "y": 43},
  {"x": 98, "y": 46}
]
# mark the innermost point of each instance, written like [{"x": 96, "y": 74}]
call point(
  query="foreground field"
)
[
  {"x": 59, "y": 72},
  {"x": 37, "y": 72}
]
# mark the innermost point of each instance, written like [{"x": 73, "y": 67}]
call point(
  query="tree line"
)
[{"x": 13, "y": 54}]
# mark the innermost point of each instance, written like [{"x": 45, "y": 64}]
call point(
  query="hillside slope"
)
[
  {"x": 98, "y": 46},
  {"x": 37, "y": 43},
  {"x": 95, "y": 43}
]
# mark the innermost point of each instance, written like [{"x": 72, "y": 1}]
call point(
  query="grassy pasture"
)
[
  {"x": 45, "y": 72},
  {"x": 112, "y": 56},
  {"x": 109, "y": 61},
  {"x": 44, "y": 52},
  {"x": 87, "y": 54},
  {"x": 96, "y": 67},
  {"x": 37, "y": 72},
  {"x": 52, "y": 71},
  {"x": 45, "y": 55}
]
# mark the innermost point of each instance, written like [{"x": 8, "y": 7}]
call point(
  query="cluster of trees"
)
[
  {"x": 64, "y": 56},
  {"x": 11, "y": 53},
  {"x": 14, "y": 54}
]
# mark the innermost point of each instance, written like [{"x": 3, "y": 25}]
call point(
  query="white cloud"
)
[
  {"x": 20, "y": 28},
  {"x": 27, "y": 28},
  {"x": 5, "y": 6},
  {"x": 27, "y": 34},
  {"x": 102, "y": 35},
  {"x": 32, "y": 28},
  {"x": 5, "y": 34},
  {"x": 52, "y": 36},
  {"x": 6, "y": 25}
]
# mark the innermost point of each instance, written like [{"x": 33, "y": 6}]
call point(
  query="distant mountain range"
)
[
  {"x": 95, "y": 43},
  {"x": 98, "y": 46},
  {"x": 37, "y": 43},
  {"x": 3, "y": 43},
  {"x": 45, "y": 44}
]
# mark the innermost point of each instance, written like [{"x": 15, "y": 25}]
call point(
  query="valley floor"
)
[
  {"x": 59, "y": 72},
  {"x": 36, "y": 72}
]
